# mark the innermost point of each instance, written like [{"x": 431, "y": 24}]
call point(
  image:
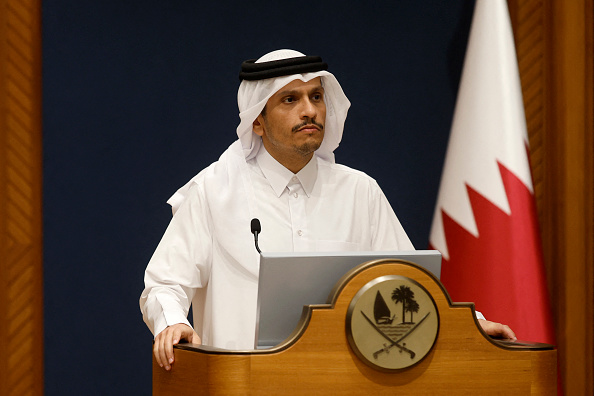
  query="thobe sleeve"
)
[
  {"x": 387, "y": 232},
  {"x": 180, "y": 265}
]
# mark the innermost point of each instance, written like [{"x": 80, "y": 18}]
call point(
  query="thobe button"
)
[
  {"x": 295, "y": 195},
  {"x": 300, "y": 233}
]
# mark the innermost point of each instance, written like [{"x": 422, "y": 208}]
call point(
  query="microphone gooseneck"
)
[{"x": 256, "y": 229}]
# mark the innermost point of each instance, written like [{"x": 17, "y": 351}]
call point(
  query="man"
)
[{"x": 281, "y": 171}]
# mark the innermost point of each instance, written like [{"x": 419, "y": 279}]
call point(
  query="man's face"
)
[{"x": 292, "y": 125}]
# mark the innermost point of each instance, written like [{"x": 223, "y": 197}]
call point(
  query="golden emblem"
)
[{"x": 392, "y": 323}]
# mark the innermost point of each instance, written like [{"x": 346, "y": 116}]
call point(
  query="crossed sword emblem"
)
[{"x": 393, "y": 343}]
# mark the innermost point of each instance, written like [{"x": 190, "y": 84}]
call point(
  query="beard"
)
[
  {"x": 305, "y": 148},
  {"x": 311, "y": 145}
]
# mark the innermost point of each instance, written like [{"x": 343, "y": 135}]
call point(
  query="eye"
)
[
  {"x": 288, "y": 99},
  {"x": 317, "y": 96}
]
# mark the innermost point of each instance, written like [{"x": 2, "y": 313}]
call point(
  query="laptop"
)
[{"x": 288, "y": 281}]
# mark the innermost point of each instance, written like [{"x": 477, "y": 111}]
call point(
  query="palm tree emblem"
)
[
  {"x": 406, "y": 296},
  {"x": 412, "y": 337}
]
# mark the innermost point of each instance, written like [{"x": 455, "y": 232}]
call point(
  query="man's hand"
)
[
  {"x": 497, "y": 330},
  {"x": 169, "y": 337}
]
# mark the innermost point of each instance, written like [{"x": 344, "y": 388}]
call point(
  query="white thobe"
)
[{"x": 207, "y": 255}]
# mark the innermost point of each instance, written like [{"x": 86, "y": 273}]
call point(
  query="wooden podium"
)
[{"x": 320, "y": 357}]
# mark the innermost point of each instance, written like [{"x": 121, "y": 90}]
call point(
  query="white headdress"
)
[
  {"x": 255, "y": 90},
  {"x": 253, "y": 95}
]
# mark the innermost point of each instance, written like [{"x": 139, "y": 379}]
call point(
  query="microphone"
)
[{"x": 256, "y": 229}]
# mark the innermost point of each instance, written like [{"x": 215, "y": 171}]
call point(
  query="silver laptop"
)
[{"x": 288, "y": 281}]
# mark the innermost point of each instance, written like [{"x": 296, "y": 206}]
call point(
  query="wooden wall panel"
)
[
  {"x": 555, "y": 55},
  {"x": 21, "y": 291}
]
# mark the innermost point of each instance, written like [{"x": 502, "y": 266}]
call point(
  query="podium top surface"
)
[{"x": 289, "y": 281}]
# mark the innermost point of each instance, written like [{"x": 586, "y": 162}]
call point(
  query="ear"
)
[{"x": 258, "y": 126}]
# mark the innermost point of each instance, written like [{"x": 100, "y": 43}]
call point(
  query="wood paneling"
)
[
  {"x": 21, "y": 316},
  {"x": 554, "y": 47}
]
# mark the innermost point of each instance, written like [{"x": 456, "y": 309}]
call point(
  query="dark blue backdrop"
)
[{"x": 140, "y": 95}]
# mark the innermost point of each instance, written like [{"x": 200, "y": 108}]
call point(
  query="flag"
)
[{"x": 485, "y": 222}]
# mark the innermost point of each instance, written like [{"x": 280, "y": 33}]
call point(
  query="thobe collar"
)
[{"x": 279, "y": 176}]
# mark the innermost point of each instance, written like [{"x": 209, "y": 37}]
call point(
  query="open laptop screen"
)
[{"x": 288, "y": 281}]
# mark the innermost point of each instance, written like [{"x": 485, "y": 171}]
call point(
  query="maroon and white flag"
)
[{"x": 485, "y": 223}]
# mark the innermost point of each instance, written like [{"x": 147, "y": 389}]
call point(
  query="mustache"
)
[{"x": 306, "y": 122}]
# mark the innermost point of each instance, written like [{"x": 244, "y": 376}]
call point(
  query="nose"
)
[{"x": 308, "y": 109}]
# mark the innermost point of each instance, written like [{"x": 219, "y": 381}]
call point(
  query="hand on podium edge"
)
[
  {"x": 497, "y": 330},
  {"x": 172, "y": 335}
]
